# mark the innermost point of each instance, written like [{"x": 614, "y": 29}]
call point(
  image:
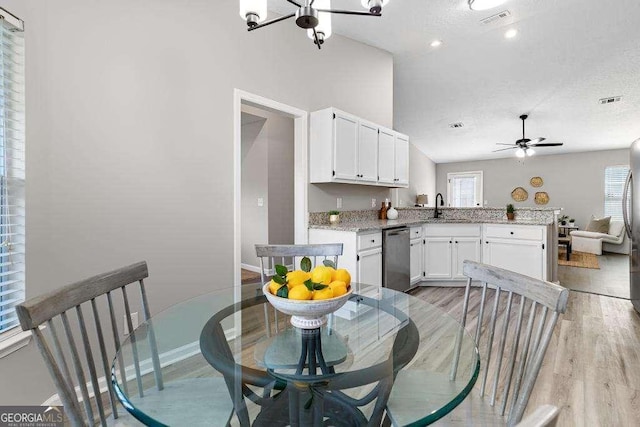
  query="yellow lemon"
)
[
  {"x": 300, "y": 292},
  {"x": 332, "y": 270},
  {"x": 343, "y": 276},
  {"x": 273, "y": 287},
  {"x": 338, "y": 288},
  {"x": 297, "y": 277},
  {"x": 321, "y": 274},
  {"x": 325, "y": 293}
]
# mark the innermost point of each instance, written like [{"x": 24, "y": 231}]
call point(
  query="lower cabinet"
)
[
  {"x": 446, "y": 246},
  {"x": 370, "y": 267},
  {"x": 522, "y": 256},
  {"x": 415, "y": 255}
]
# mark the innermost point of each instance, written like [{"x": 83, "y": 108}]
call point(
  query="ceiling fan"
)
[{"x": 524, "y": 145}]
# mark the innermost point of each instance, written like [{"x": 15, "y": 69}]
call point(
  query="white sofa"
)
[{"x": 594, "y": 243}]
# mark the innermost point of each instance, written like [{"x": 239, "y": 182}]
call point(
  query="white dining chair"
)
[{"x": 507, "y": 380}]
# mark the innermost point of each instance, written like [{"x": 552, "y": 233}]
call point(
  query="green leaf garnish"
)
[
  {"x": 281, "y": 270},
  {"x": 283, "y": 292},
  {"x": 305, "y": 264},
  {"x": 309, "y": 284},
  {"x": 279, "y": 280},
  {"x": 329, "y": 263},
  {"x": 318, "y": 286}
]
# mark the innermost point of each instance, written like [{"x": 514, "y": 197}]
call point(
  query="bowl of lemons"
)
[{"x": 308, "y": 295}]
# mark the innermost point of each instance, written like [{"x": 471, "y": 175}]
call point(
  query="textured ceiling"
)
[{"x": 566, "y": 56}]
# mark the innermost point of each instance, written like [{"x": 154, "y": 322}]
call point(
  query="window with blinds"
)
[
  {"x": 614, "y": 179},
  {"x": 12, "y": 169},
  {"x": 464, "y": 189}
]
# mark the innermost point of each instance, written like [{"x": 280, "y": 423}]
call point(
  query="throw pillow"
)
[{"x": 599, "y": 225}]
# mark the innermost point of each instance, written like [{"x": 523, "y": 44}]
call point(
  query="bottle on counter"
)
[{"x": 383, "y": 211}]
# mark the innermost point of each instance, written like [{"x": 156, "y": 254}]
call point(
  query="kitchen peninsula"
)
[{"x": 438, "y": 246}]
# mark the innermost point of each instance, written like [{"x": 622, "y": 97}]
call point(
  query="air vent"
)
[
  {"x": 456, "y": 125},
  {"x": 497, "y": 16},
  {"x": 610, "y": 99}
]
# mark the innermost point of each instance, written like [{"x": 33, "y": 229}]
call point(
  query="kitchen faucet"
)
[{"x": 436, "y": 213}]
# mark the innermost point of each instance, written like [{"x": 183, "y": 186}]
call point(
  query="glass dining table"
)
[{"x": 220, "y": 359}]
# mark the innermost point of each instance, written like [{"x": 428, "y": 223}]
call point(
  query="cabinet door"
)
[
  {"x": 345, "y": 141},
  {"x": 464, "y": 248},
  {"x": 521, "y": 256},
  {"x": 368, "y": 152},
  {"x": 370, "y": 267},
  {"x": 437, "y": 257},
  {"x": 402, "y": 160},
  {"x": 415, "y": 260},
  {"x": 386, "y": 157}
]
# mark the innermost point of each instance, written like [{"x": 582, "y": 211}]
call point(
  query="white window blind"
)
[
  {"x": 12, "y": 169},
  {"x": 614, "y": 179}
]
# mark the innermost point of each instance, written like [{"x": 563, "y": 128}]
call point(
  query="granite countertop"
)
[{"x": 382, "y": 224}]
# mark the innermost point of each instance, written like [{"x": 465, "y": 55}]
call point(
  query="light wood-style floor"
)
[{"x": 592, "y": 366}]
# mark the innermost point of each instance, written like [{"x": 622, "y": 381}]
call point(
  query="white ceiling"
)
[{"x": 566, "y": 56}]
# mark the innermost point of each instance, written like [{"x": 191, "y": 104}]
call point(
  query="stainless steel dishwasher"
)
[{"x": 395, "y": 259}]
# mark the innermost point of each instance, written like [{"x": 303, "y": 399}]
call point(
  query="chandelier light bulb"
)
[
  {"x": 253, "y": 11},
  {"x": 484, "y": 4},
  {"x": 530, "y": 152},
  {"x": 520, "y": 153},
  {"x": 324, "y": 25},
  {"x": 374, "y": 6}
]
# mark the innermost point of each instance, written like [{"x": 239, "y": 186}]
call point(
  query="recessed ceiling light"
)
[
  {"x": 511, "y": 33},
  {"x": 484, "y": 4},
  {"x": 436, "y": 43}
]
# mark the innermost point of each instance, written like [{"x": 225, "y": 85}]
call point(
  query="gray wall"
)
[
  {"x": 422, "y": 179},
  {"x": 129, "y": 138},
  {"x": 574, "y": 182}
]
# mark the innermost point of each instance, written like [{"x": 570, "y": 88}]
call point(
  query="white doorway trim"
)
[{"x": 301, "y": 180}]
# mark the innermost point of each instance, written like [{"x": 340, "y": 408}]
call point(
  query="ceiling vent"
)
[
  {"x": 496, "y": 17},
  {"x": 456, "y": 125},
  {"x": 610, "y": 99}
]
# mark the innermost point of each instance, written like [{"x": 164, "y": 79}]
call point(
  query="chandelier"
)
[{"x": 311, "y": 15}]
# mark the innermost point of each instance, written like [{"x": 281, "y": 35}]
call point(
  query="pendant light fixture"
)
[
  {"x": 311, "y": 15},
  {"x": 323, "y": 30},
  {"x": 484, "y": 4}
]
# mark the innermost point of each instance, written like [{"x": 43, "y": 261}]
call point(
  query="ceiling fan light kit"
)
[
  {"x": 524, "y": 146},
  {"x": 311, "y": 15},
  {"x": 484, "y": 4}
]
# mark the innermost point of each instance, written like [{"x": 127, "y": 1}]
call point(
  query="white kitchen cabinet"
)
[
  {"x": 447, "y": 246},
  {"x": 437, "y": 258},
  {"x": 346, "y": 149},
  {"x": 416, "y": 259},
  {"x": 464, "y": 248},
  {"x": 361, "y": 252},
  {"x": 519, "y": 248},
  {"x": 370, "y": 267}
]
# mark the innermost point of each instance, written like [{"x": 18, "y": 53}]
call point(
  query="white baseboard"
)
[{"x": 250, "y": 267}]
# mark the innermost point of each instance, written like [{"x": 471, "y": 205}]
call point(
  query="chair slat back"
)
[
  {"x": 77, "y": 347},
  {"x": 511, "y": 363}
]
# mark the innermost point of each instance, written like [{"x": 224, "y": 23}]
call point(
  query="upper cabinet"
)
[{"x": 344, "y": 148}]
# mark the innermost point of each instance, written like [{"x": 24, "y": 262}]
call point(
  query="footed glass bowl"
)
[{"x": 306, "y": 314}]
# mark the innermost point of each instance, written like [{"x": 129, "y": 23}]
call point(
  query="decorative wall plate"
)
[
  {"x": 519, "y": 194},
  {"x": 536, "y": 181},
  {"x": 541, "y": 198}
]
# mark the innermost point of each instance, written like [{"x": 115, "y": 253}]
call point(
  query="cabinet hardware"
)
[
  {"x": 543, "y": 246},
  {"x": 334, "y": 173},
  {"x": 373, "y": 241},
  {"x": 449, "y": 241},
  {"x": 334, "y": 116},
  {"x": 456, "y": 242},
  {"x": 511, "y": 232},
  {"x": 487, "y": 243},
  {"x": 424, "y": 273},
  {"x": 357, "y": 257}
]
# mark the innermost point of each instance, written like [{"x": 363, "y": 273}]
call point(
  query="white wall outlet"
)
[
  {"x": 373, "y": 203},
  {"x": 339, "y": 203},
  {"x": 134, "y": 322},
  {"x": 260, "y": 201},
  {"x": 486, "y": 203}
]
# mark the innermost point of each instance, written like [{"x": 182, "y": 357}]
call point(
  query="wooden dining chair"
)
[
  {"x": 290, "y": 255},
  {"x": 511, "y": 364},
  {"x": 56, "y": 307}
]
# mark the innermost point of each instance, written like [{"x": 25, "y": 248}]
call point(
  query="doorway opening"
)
[{"x": 270, "y": 191}]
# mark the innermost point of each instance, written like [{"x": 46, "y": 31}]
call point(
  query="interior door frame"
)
[{"x": 301, "y": 174}]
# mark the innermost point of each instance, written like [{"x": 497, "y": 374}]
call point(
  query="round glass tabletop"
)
[{"x": 216, "y": 358}]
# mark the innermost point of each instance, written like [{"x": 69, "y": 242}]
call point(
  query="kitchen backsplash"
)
[{"x": 473, "y": 214}]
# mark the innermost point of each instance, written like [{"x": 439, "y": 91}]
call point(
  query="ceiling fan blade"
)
[
  {"x": 273, "y": 21},
  {"x": 349, "y": 12},
  {"x": 501, "y": 143},
  {"x": 536, "y": 140},
  {"x": 548, "y": 144},
  {"x": 297, "y": 4},
  {"x": 503, "y": 149}
]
